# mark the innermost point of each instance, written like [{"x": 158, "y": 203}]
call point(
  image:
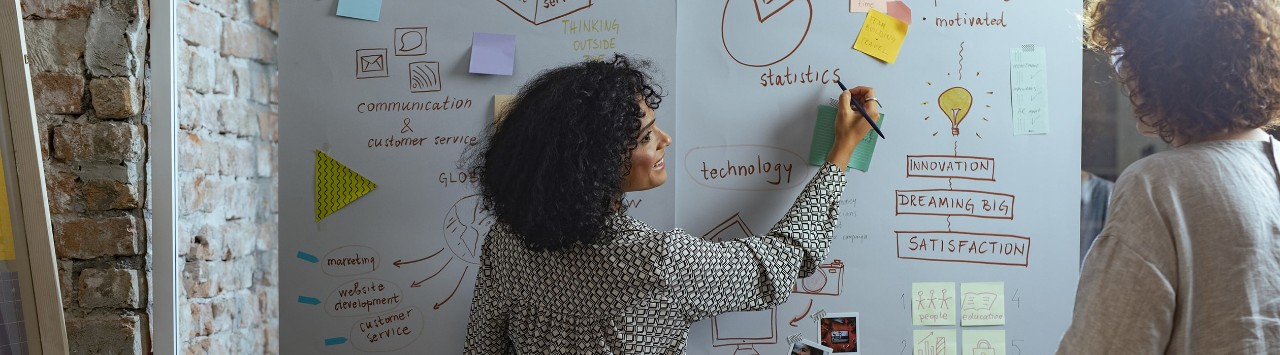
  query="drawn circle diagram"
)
[
  {"x": 465, "y": 225},
  {"x": 760, "y": 33},
  {"x": 815, "y": 282}
]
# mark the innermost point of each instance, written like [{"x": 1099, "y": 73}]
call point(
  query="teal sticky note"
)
[
  {"x": 824, "y": 136},
  {"x": 361, "y": 9}
]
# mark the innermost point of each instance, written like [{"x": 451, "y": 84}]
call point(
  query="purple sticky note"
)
[{"x": 493, "y": 53}]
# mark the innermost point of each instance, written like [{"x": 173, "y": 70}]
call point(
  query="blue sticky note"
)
[
  {"x": 361, "y": 9},
  {"x": 493, "y": 53}
]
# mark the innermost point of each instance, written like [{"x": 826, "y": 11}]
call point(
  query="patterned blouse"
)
[{"x": 638, "y": 293}]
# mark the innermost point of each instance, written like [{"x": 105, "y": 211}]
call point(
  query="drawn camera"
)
[{"x": 828, "y": 279}]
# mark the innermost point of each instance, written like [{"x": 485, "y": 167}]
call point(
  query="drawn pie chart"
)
[{"x": 758, "y": 33}]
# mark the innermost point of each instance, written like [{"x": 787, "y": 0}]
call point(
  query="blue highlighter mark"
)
[
  {"x": 308, "y": 257},
  {"x": 335, "y": 341},
  {"x": 308, "y": 300}
]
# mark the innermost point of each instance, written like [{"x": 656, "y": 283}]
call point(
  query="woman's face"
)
[{"x": 648, "y": 163}]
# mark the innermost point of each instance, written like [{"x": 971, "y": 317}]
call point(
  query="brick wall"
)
[
  {"x": 90, "y": 79},
  {"x": 227, "y": 168}
]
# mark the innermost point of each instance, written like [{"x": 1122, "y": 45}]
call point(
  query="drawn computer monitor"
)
[{"x": 744, "y": 330}]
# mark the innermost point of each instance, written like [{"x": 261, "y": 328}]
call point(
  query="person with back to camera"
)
[
  {"x": 1189, "y": 259},
  {"x": 566, "y": 270}
]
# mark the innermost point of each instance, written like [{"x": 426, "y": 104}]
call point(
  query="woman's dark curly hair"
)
[
  {"x": 1193, "y": 68},
  {"x": 551, "y": 169}
]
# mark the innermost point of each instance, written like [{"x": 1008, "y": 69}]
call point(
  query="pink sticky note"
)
[{"x": 899, "y": 10}]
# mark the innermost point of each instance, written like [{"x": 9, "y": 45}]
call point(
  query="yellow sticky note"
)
[
  {"x": 983, "y": 342},
  {"x": 934, "y": 341},
  {"x": 981, "y": 303},
  {"x": 881, "y": 36},
  {"x": 933, "y": 303},
  {"x": 500, "y": 105},
  {"x": 337, "y": 185}
]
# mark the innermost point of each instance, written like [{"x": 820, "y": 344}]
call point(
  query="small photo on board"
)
[
  {"x": 808, "y": 347},
  {"x": 839, "y": 331}
]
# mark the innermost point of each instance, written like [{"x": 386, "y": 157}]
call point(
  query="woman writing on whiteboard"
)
[
  {"x": 566, "y": 270},
  {"x": 1189, "y": 259}
]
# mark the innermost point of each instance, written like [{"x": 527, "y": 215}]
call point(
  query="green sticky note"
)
[
  {"x": 935, "y": 341},
  {"x": 824, "y": 136},
  {"x": 983, "y": 342},
  {"x": 933, "y": 303},
  {"x": 981, "y": 303}
]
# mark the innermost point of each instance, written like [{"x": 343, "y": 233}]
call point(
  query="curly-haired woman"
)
[
  {"x": 565, "y": 270},
  {"x": 1189, "y": 259}
]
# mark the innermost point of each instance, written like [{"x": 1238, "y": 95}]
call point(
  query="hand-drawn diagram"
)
[
  {"x": 465, "y": 225},
  {"x": 949, "y": 245},
  {"x": 371, "y": 63},
  {"x": 932, "y": 303},
  {"x": 983, "y": 348},
  {"x": 795, "y": 321},
  {"x": 985, "y": 342},
  {"x": 982, "y": 304},
  {"x": 424, "y": 77},
  {"x": 410, "y": 41},
  {"x": 539, "y": 12},
  {"x": 745, "y": 330},
  {"x": 467, "y": 221},
  {"x": 742, "y": 24},
  {"x": 978, "y": 301},
  {"x": 732, "y": 228},
  {"x": 827, "y": 280},
  {"x": 935, "y": 342},
  {"x": 955, "y": 103}
]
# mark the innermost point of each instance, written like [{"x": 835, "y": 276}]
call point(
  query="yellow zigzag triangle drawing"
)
[{"x": 337, "y": 185}]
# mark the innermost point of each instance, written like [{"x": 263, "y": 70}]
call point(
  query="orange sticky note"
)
[{"x": 881, "y": 36}]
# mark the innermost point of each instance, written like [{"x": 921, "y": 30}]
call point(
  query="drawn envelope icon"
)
[{"x": 371, "y": 63}]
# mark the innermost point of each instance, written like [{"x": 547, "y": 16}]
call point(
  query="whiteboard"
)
[
  {"x": 743, "y": 93},
  {"x": 412, "y": 242},
  {"x": 736, "y": 110}
]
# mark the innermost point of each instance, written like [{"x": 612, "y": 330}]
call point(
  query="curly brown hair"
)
[
  {"x": 1193, "y": 68},
  {"x": 552, "y": 169}
]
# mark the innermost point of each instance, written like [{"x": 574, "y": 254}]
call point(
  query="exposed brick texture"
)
[
  {"x": 58, "y": 93},
  {"x": 90, "y": 78},
  {"x": 115, "y": 97}
]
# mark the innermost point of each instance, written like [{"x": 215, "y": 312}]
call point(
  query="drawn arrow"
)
[
  {"x": 308, "y": 300},
  {"x": 419, "y": 282},
  {"x": 335, "y": 341},
  {"x": 399, "y": 262},
  {"x": 455, "y": 288},
  {"x": 802, "y": 315}
]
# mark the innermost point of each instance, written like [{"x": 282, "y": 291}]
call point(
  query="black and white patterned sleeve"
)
[
  {"x": 486, "y": 331},
  {"x": 707, "y": 278}
]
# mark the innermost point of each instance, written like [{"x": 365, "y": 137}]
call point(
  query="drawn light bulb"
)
[{"x": 955, "y": 103}]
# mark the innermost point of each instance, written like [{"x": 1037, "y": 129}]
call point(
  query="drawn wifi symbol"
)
[{"x": 424, "y": 77}]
